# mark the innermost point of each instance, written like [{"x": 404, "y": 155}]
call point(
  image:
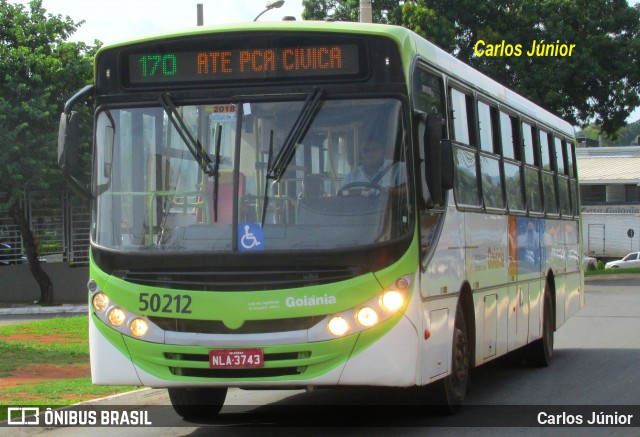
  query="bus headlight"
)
[
  {"x": 139, "y": 327},
  {"x": 116, "y": 317},
  {"x": 392, "y": 300},
  {"x": 378, "y": 309},
  {"x": 338, "y": 326},
  {"x": 100, "y": 301},
  {"x": 124, "y": 321},
  {"x": 367, "y": 317}
]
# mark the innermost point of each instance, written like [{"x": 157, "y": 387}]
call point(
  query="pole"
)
[
  {"x": 200, "y": 14},
  {"x": 365, "y": 11}
]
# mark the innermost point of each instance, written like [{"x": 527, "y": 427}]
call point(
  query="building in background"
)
[{"x": 610, "y": 199}]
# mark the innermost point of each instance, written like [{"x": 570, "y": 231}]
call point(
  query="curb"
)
[{"x": 30, "y": 310}]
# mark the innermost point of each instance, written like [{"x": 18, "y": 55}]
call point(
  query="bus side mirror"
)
[
  {"x": 68, "y": 141},
  {"x": 437, "y": 162}
]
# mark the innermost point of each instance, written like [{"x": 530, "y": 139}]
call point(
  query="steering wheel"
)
[{"x": 366, "y": 189}]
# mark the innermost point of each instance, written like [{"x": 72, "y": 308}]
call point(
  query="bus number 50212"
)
[{"x": 165, "y": 303}]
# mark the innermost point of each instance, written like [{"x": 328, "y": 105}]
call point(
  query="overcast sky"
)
[{"x": 116, "y": 20}]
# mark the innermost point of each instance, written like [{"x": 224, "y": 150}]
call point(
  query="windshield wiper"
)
[
  {"x": 218, "y": 139},
  {"x": 277, "y": 167},
  {"x": 194, "y": 146},
  {"x": 299, "y": 129}
]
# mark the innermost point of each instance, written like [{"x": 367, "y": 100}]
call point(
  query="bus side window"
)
[
  {"x": 428, "y": 94},
  {"x": 465, "y": 156},
  {"x": 512, "y": 168},
  {"x": 428, "y": 98},
  {"x": 548, "y": 173},
  {"x": 531, "y": 170},
  {"x": 563, "y": 179},
  {"x": 490, "y": 168}
]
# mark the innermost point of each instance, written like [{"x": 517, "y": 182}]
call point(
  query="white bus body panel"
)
[
  {"x": 108, "y": 365},
  {"x": 505, "y": 261}
]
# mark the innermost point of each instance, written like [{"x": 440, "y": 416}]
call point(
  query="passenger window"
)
[
  {"x": 491, "y": 182},
  {"x": 513, "y": 185},
  {"x": 466, "y": 179},
  {"x": 490, "y": 174},
  {"x": 570, "y": 161},
  {"x": 506, "y": 134},
  {"x": 527, "y": 139},
  {"x": 460, "y": 117},
  {"x": 544, "y": 151},
  {"x": 548, "y": 159},
  {"x": 564, "y": 184},
  {"x": 485, "y": 127},
  {"x": 512, "y": 166},
  {"x": 466, "y": 186},
  {"x": 428, "y": 93}
]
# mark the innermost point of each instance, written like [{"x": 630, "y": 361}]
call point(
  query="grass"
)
[
  {"x": 55, "y": 346},
  {"x": 71, "y": 347},
  {"x": 618, "y": 271}
]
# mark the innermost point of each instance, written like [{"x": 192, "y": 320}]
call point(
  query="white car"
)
[{"x": 631, "y": 260}]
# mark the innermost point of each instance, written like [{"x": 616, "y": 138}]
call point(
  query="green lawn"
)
[
  {"x": 41, "y": 362},
  {"x": 617, "y": 271}
]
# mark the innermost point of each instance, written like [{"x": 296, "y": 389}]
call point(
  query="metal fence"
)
[{"x": 60, "y": 222}]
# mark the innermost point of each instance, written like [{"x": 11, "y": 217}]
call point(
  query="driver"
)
[{"x": 375, "y": 170}]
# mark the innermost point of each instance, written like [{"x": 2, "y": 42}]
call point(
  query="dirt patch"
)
[
  {"x": 43, "y": 339},
  {"x": 39, "y": 373}
]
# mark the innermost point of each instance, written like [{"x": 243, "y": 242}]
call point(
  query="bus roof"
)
[{"x": 410, "y": 44}]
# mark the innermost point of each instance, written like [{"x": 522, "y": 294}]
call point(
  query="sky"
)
[
  {"x": 117, "y": 20},
  {"x": 108, "y": 22}
]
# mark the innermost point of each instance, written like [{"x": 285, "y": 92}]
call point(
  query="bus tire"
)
[
  {"x": 447, "y": 395},
  {"x": 197, "y": 403},
  {"x": 540, "y": 352}
]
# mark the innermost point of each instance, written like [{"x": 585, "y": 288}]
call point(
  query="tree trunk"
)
[{"x": 32, "y": 252}]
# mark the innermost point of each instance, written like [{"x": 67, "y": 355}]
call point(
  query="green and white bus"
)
[{"x": 242, "y": 235}]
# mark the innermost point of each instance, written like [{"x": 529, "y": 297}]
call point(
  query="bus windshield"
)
[{"x": 343, "y": 183}]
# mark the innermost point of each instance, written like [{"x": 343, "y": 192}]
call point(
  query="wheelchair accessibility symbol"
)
[{"x": 250, "y": 236}]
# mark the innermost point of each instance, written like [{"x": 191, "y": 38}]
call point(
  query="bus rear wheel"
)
[
  {"x": 540, "y": 352},
  {"x": 197, "y": 403}
]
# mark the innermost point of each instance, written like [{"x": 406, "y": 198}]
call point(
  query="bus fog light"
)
[
  {"x": 338, "y": 326},
  {"x": 139, "y": 327},
  {"x": 402, "y": 283},
  {"x": 392, "y": 300},
  {"x": 367, "y": 317},
  {"x": 92, "y": 286},
  {"x": 100, "y": 301},
  {"x": 116, "y": 317}
]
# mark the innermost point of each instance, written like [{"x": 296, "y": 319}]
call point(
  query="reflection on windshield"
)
[{"x": 344, "y": 186}]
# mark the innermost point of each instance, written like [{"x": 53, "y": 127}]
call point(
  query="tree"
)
[
  {"x": 600, "y": 81},
  {"x": 625, "y": 136},
  {"x": 39, "y": 70}
]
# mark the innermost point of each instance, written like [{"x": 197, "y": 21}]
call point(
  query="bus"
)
[{"x": 305, "y": 204}]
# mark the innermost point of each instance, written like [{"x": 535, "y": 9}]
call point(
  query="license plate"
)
[{"x": 236, "y": 358}]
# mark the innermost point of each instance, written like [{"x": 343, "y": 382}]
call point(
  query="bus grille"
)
[
  {"x": 238, "y": 280},
  {"x": 249, "y": 326},
  {"x": 189, "y": 361}
]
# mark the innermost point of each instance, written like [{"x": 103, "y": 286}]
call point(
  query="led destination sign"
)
[{"x": 243, "y": 64}]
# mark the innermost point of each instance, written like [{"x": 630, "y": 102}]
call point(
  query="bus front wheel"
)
[
  {"x": 447, "y": 395},
  {"x": 197, "y": 403}
]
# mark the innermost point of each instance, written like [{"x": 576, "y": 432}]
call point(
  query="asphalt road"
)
[{"x": 595, "y": 366}]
